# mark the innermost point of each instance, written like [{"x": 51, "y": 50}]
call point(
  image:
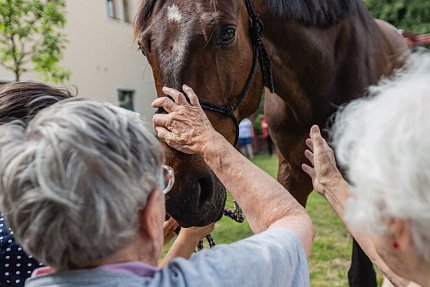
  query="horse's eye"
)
[{"x": 227, "y": 35}]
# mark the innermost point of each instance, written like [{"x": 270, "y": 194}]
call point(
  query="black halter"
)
[{"x": 260, "y": 54}]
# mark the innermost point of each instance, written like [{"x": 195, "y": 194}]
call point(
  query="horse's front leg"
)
[
  {"x": 292, "y": 177},
  {"x": 290, "y": 138}
]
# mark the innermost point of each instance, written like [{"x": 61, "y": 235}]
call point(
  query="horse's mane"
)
[
  {"x": 144, "y": 12},
  {"x": 319, "y": 13}
]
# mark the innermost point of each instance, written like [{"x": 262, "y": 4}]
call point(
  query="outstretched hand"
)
[
  {"x": 185, "y": 127},
  {"x": 322, "y": 168}
]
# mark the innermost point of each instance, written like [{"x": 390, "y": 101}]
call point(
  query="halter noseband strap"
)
[{"x": 260, "y": 54}]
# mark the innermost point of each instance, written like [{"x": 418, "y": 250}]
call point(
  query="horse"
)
[{"x": 307, "y": 57}]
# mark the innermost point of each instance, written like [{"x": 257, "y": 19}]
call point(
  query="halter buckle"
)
[{"x": 229, "y": 110}]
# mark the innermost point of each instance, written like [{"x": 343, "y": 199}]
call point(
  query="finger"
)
[
  {"x": 310, "y": 156},
  {"x": 309, "y": 144},
  {"x": 192, "y": 96},
  {"x": 166, "y": 103},
  {"x": 177, "y": 96},
  {"x": 315, "y": 131},
  {"x": 167, "y": 225},
  {"x": 309, "y": 170},
  {"x": 317, "y": 140},
  {"x": 163, "y": 133},
  {"x": 170, "y": 222},
  {"x": 161, "y": 120}
]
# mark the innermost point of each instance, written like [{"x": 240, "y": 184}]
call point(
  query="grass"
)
[{"x": 331, "y": 252}]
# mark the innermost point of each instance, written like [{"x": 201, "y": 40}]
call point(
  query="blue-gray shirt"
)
[{"x": 272, "y": 258}]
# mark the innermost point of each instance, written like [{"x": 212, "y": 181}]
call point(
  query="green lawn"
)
[{"x": 332, "y": 247}]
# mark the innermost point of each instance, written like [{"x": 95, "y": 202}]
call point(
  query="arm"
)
[
  {"x": 169, "y": 227},
  {"x": 328, "y": 181},
  {"x": 187, "y": 129},
  {"x": 186, "y": 243}
]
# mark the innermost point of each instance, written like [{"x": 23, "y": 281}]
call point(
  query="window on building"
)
[
  {"x": 126, "y": 8},
  {"x": 110, "y": 6},
  {"x": 126, "y": 99}
]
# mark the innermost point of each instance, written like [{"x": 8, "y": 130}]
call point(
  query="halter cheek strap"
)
[{"x": 260, "y": 55}]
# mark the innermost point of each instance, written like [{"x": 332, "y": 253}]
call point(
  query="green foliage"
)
[
  {"x": 410, "y": 15},
  {"x": 30, "y": 34}
]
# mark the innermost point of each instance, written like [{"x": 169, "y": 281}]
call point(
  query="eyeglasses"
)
[{"x": 168, "y": 178}]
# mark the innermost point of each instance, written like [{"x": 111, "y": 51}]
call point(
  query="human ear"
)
[{"x": 150, "y": 217}]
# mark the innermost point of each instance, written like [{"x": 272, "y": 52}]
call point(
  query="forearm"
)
[
  {"x": 180, "y": 248},
  {"x": 263, "y": 200},
  {"x": 337, "y": 197}
]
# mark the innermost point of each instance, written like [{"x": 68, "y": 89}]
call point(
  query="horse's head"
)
[{"x": 206, "y": 45}]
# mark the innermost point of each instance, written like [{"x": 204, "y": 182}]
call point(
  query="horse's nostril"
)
[{"x": 206, "y": 190}]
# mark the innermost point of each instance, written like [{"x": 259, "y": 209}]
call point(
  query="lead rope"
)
[{"x": 236, "y": 215}]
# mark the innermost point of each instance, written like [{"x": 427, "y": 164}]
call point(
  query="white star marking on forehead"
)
[{"x": 173, "y": 14}]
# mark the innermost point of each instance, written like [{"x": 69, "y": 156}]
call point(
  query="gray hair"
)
[
  {"x": 72, "y": 182},
  {"x": 383, "y": 142}
]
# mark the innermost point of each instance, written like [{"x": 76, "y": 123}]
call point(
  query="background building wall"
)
[{"x": 102, "y": 56}]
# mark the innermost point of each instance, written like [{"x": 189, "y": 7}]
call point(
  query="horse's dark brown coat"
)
[{"x": 319, "y": 63}]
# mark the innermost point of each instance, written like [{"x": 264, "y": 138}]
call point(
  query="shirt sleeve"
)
[{"x": 272, "y": 258}]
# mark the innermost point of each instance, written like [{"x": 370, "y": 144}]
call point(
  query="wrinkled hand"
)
[
  {"x": 186, "y": 127},
  {"x": 323, "y": 169},
  {"x": 192, "y": 235},
  {"x": 195, "y": 234},
  {"x": 169, "y": 227}
]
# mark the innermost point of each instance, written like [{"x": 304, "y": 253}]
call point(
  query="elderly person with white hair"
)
[
  {"x": 83, "y": 186},
  {"x": 382, "y": 142}
]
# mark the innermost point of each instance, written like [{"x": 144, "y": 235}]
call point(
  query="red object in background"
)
[
  {"x": 265, "y": 127},
  {"x": 413, "y": 40}
]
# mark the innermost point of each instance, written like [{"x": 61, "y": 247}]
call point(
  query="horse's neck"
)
[{"x": 315, "y": 66}]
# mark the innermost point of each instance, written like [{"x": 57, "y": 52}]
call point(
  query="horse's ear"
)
[
  {"x": 147, "y": 8},
  {"x": 143, "y": 14}
]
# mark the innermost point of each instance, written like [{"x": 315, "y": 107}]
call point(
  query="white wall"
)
[{"x": 102, "y": 57}]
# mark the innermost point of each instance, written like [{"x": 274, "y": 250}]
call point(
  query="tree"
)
[
  {"x": 409, "y": 15},
  {"x": 31, "y": 37}
]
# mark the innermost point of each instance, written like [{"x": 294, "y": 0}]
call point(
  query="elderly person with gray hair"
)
[
  {"x": 382, "y": 141},
  {"x": 83, "y": 186}
]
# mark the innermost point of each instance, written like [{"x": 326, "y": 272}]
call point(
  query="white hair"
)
[
  {"x": 383, "y": 142},
  {"x": 72, "y": 182}
]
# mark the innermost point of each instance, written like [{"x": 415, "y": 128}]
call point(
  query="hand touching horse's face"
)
[{"x": 206, "y": 45}]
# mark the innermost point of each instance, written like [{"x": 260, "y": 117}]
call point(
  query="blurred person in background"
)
[
  {"x": 246, "y": 138},
  {"x": 21, "y": 101},
  {"x": 266, "y": 135}
]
